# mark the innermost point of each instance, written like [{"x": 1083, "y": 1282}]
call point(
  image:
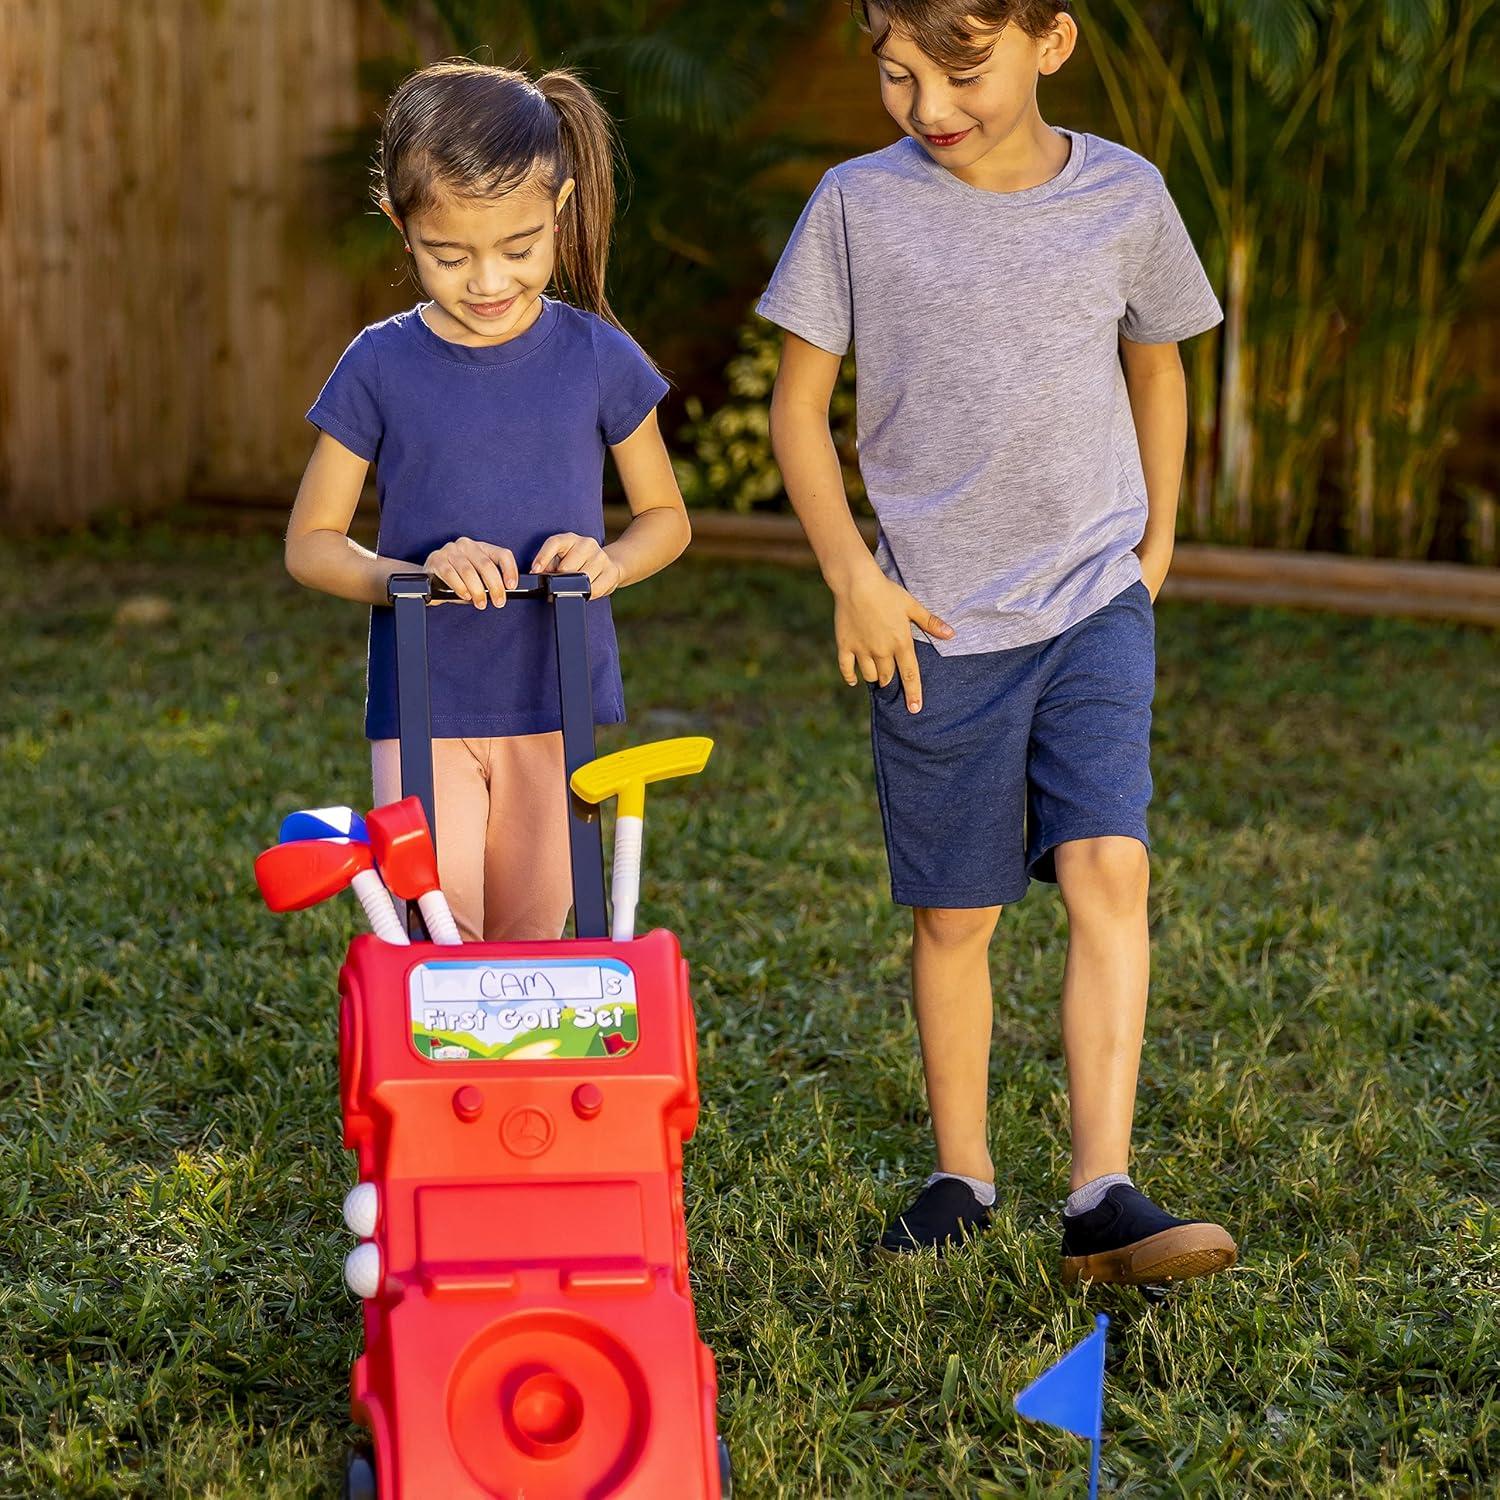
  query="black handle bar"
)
[{"x": 528, "y": 586}]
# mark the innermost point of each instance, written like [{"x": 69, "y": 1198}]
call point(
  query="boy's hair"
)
[
  {"x": 940, "y": 28},
  {"x": 478, "y": 131}
]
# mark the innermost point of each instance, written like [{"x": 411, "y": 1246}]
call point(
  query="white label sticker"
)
[{"x": 465, "y": 1010}]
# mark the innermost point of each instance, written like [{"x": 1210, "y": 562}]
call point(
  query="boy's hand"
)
[
  {"x": 477, "y": 571},
  {"x": 567, "y": 552},
  {"x": 872, "y": 620},
  {"x": 1154, "y": 570}
]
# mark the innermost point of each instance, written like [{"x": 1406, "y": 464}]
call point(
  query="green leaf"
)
[
  {"x": 1282, "y": 37},
  {"x": 1411, "y": 27},
  {"x": 950, "y": 1384}
]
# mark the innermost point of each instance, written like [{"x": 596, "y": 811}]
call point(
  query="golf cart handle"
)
[
  {"x": 528, "y": 586},
  {"x": 567, "y": 594}
]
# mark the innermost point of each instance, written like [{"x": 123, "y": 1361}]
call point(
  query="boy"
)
[{"x": 1015, "y": 295}]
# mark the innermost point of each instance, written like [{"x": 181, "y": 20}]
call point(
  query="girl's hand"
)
[
  {"x": 872, "y": 620},
  {"x": 477, "y": 571},
  {"x": 567, "y": 552}
]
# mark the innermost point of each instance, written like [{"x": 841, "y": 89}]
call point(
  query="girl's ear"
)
[
  {"x": 563, "y": 194},
  {"x": 389, "y": 210}
]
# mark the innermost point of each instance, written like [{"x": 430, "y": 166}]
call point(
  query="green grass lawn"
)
[{"x": 1319, "y": 1073}]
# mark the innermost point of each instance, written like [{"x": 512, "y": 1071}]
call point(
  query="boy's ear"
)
[
  {"x": 1058, "y": 44},
  {"x": 389, "y": 210}
]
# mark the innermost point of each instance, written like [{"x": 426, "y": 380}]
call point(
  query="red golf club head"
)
[
  {"x": 403, "y": 848},
  {"x": 303, "y": 873}
]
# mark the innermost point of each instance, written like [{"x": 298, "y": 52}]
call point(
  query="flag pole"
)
[{"x": 1101, "y": 1325}]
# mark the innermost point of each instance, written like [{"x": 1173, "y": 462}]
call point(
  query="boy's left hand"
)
[
  {"x": 1154, "y": 572},
  {"x": 567, "y": 552}
]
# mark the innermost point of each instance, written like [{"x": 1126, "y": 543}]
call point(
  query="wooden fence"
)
[
  {"x": 168, "y": 306},
  {"x": 166, "y": 315}
]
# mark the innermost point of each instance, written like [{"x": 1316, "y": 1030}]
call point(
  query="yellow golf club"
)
[{"x": 624, "y": 775}]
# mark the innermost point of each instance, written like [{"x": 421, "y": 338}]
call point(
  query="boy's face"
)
[
  {"x": 958, "y": 117},
  {"x": 486, "y": 261}
]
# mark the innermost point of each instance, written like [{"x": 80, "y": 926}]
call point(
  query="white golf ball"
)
[
  {"x": 362, "y": 1269},
  {"x": 362, "y": 1209}
]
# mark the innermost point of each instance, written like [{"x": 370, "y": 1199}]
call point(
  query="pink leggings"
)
[{"x": 502, "y": 832}]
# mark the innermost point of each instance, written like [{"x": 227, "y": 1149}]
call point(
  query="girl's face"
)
[
  {"x": 958, "y": 118},
  {"x": 485, "y": 262}
]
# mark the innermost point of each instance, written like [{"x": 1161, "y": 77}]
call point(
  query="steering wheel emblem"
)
[{"x": 527, "y": 1130}]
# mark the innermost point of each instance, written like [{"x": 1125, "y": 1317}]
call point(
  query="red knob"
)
[
  {"x": 587, "y": 1101},
  {"x": 468, "y": 1102},
  {"x": 545, "y": 1414}
]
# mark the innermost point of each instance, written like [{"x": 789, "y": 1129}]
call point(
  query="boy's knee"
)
[
  {"x": 954, "y": 927},
  {"x": 1104, "y": 876}
]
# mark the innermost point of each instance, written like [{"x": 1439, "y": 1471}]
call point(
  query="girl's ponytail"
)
[{"x": 589, "y": 142}]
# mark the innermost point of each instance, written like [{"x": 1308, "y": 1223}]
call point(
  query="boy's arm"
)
[
  {"x": 872, "y": 615},
  {"x": 659, "y": 529},
  {"x": 1158, "y": 403}
]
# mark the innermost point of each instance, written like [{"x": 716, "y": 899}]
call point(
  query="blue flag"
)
[{"x": 1071, "y": 1395}]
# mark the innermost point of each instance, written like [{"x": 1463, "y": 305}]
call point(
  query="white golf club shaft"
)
[
  {"x": 625, "y": 884},
  {"x": 379, "y": 907},
  {"x": 438, "y": 916}
]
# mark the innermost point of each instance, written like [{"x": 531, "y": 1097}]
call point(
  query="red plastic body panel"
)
[{"x": 534, "y": 1334}]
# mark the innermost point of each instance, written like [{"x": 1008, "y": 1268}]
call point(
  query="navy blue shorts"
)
[{"x": 1013, "y": 753}]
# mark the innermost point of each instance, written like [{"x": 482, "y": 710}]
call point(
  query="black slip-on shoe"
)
[
  {"x": 942, "y": 1214},
  {"x": 1127, "y": 1239}
]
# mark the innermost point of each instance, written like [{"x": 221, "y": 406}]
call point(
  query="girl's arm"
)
[
  {"x": 319, "y": 551},
  {"x": 1158, "y": 403},
  {"x": 321, "y": 554},
  {"x": 659, "y": 529},
  {"x": 872, "y": 616}
]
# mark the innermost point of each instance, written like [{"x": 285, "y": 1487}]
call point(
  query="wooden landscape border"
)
[
  {"x": 1459, "y": 592},
  {"x": 1225, "y": 575}
]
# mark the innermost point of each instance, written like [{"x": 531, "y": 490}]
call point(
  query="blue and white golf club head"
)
[{"x": 323, "y": 823}]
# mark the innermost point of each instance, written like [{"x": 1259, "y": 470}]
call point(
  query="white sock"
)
[
  {"x": 1091, "y": 1194},
  {"x": 984, "y": 1191}
]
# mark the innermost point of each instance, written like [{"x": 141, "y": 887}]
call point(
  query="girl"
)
[{"x": 486, "y": 410}]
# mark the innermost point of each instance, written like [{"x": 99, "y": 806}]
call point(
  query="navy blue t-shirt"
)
[{"x": 504, "y": 444}]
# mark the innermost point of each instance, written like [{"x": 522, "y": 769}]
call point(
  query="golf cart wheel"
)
[
  {"x": 359, "y": 1475},
  {"x": 726, "y": 1472}
]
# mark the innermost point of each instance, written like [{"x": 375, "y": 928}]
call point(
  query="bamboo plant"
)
[{"x": 1330, "y": 157}]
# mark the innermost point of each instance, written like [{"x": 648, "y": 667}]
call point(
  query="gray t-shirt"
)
[{"x": 995, "y": 435}]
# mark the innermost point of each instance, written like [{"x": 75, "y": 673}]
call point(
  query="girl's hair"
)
[
  {"x": 478, "y": 131},
  {"x": 940, "y": 27}
]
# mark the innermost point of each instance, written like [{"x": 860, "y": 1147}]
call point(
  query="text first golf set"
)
[{"x": 518, "y": 1111}]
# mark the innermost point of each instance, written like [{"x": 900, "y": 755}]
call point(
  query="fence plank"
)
[{"x": 21, "y": 430}]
